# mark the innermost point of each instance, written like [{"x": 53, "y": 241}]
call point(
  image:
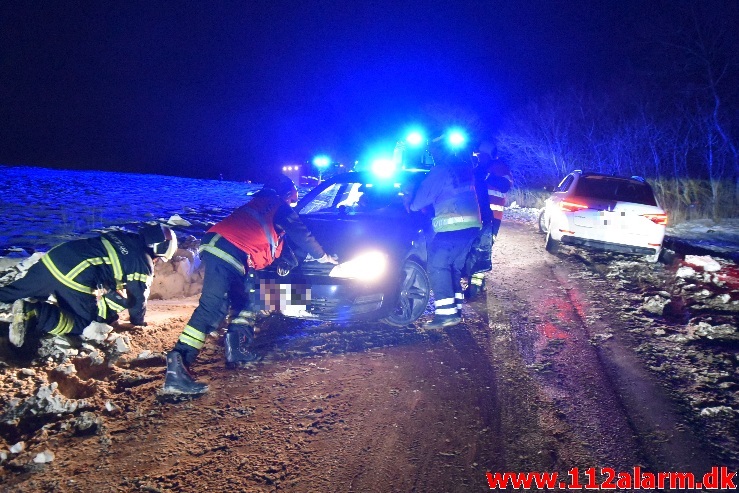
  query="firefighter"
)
[
  {"x": 248, "y": 240},
  {"x": 86, "y": 278},
  {"x": 449, "y": 188},
  {"x": 492, "y": 180}
]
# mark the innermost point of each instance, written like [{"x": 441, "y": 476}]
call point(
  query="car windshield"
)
[
  {"x": 618, "y": 189},
  {"x": 356, "y": 197}
]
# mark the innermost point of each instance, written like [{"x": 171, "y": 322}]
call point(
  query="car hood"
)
[{"x": 350, "y": 235}]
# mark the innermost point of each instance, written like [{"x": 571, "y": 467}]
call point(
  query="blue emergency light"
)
[
  {"x": 415, "y": 138},
  {"x": 456, "y": 138},
  {"x": 321, "y": 161},
  {"x": 383, "y": 168}
]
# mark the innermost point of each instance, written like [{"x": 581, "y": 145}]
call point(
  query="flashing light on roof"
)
[
  {"x": 415, "y": 138},
  {"x": 321, "y": 161},
  {"x": 384, "y": 168},
  {"x": 456, "y": 138}
]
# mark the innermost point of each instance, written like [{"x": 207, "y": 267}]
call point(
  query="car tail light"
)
[
  {"x": 660, "y": 219},
  {"x": 571, "y": 206}
]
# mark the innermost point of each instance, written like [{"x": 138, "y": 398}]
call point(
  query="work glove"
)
[
  {"x": 327, "y": 259},
  {"x": 282, "y": 267}
]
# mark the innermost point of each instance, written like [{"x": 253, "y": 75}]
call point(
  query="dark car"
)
[{"x": 381, "y": 249}]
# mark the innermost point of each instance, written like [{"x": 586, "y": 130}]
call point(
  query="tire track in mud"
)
[
  {"x": 663, "y": 436},
  {"x": 559, "y": 345}
]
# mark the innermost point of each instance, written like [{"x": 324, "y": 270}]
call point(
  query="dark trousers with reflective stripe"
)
[
  {"x": 496, "y": 227},
  {"x": 223, "y": 288},
  {"x": 446, "y": 257},
  {"x": 74, "y": 312},
  {"x": 479, "y": 259}
]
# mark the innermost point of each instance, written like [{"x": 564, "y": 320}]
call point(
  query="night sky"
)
[{"x": 207, "y": 88}]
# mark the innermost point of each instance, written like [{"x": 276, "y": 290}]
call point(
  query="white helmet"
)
[{"x": 161, "y": 240}]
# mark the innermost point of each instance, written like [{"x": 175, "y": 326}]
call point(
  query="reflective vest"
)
[
  {"x": 499, "y": 181},
  {"x": 451, "y": 191},
  {"x": 250, "y": 228}
]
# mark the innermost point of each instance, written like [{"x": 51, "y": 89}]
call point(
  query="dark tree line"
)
[{"x": 673, "y": 120}]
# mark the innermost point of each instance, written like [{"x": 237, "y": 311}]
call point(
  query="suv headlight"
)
[{"x": 367, "y": 266}]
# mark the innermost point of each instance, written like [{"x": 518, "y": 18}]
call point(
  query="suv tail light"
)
[
  {"x": 660, "y": 219},
  {"x": 568, "y": 206}
]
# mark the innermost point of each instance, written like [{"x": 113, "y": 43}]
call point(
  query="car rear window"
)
[{"x": 618, "y": 189}]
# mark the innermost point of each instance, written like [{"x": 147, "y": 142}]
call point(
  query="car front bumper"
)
[
  {"x": 324, "y": 298},
  {"x": 608, "y": 246}
]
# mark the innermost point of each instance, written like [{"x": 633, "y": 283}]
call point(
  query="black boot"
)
[
  {"x": 441, "y": 321},
  {"x": 237, "y": 342},
  {"x": 475, "y": 288},
  {"x": 178, "y": 379}
]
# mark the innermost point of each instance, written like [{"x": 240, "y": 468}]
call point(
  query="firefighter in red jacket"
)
[
  {"x": 86, "y": 277},
  {"x": 248, "y": 240},
  {"x": 492, "y": 181}
]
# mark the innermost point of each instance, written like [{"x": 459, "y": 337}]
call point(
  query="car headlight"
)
[{"x": 367, "y": 267}]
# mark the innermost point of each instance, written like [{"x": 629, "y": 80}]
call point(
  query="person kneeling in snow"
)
[
  {"x": 248, "y": 240},
  {"x": 85, "y": 277}
]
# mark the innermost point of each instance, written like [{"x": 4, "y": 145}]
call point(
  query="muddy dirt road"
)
[{"x": 544, "y": 375}]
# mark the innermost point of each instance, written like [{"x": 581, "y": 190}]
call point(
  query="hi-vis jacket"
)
[
  {"x": 257, "y": 229},
  {"x": 451, "y": 190},
  {"x": 106, "y": 264}
]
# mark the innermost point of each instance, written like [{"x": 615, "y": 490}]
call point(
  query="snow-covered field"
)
[{"x": 43, "y": 207}]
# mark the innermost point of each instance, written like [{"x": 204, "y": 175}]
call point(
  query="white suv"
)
[{"x": 604, "y": 212}]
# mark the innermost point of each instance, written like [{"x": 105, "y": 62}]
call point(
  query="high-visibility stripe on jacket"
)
[
  {"x": 498, "y": 181},
  {"x": 106, "y": 263},
  {"x": 251, "y": 229},
  {"x": 213, "y": 245},
  {"x": 257, "y": 228},
  {"x": 451, "y": 190}
]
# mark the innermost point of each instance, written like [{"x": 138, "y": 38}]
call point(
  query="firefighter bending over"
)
[
  {"x": 248, "y": 240},
  {"x": 86, "y": 277}
]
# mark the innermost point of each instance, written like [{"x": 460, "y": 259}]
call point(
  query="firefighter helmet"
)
[
  {"x": 161, "y": 240},
  {"x": 284, "y": 187}
]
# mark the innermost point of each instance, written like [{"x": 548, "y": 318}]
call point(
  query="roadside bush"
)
[
  {"x": 526, "y": 197},
  {"x": 683, "y": 199},
  {"x": 686, "y": 199}
]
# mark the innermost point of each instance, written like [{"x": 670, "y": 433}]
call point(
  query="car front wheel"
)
[{"x": 415, "y": 289}]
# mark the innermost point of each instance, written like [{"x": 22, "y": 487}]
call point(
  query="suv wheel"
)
[
  {"x": 654, "y": 258},
  {"x": 415, "y": 289},
  {"x": 543, "y": 227}
]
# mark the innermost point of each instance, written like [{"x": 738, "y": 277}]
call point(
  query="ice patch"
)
[{"x": 706, "y": 262}]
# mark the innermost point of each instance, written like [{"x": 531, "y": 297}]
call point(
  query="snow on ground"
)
[{"x": 43, "y": 207}]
